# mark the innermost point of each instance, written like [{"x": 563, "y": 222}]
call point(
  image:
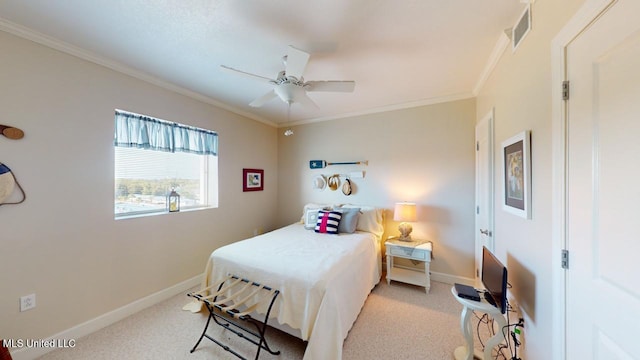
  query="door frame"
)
[
  {"x": 489, "y": 117},
  {"x": 588, "y": 13}
]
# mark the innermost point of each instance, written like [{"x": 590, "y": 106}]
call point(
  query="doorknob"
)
[{"x": 485, "y": 232}]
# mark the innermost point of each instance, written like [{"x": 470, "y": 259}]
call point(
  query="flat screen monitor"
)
[{"x": 494, "y": 279}]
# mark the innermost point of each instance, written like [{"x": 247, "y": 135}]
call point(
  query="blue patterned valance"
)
[{"x": 144, "y": 132}]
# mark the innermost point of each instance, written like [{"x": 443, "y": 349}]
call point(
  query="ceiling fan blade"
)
[
  {"x": 296, "y": 62},
  {"x": 263, "y": 99},
  {"x": 244, "y": 73},
  {"x": 337, "y": 86},
  {"x": 305, "y": 100}
]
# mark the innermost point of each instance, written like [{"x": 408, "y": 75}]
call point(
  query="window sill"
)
[{"x": 164, "y": 212}]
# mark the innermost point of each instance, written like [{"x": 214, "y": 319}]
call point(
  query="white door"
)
[
  {"x": 484, "y": 189},
  {"x": 603, "y": 191}
]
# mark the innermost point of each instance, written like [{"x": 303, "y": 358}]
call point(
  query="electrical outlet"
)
[{"x": 27, "y": 302}]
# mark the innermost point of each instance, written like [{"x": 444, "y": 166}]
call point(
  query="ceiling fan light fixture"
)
[
  {"x": 289, "y": 92},
  {"x": 290, "y": 85}
]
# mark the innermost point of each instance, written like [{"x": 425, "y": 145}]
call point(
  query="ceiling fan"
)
[{"x": 290, "y": 85}]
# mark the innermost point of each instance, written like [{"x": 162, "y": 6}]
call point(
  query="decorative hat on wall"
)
[
  {"x": 319, "y": 183},
  {"x": 346, "y": 187},
  {"x": 334, "y": 182}
]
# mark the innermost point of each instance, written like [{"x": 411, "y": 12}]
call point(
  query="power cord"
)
[
  {"x": 512, "y": 340},
  {"x": 513, "y": 336},
  {"x": 484, "y": 319}
]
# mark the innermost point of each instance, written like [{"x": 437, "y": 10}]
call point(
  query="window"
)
[{"x": 153, "y": 157}]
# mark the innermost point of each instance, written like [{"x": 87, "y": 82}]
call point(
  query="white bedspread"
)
[{"x": 323, "y": 279}]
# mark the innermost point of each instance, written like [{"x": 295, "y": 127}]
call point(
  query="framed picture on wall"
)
[
  {"x": 516, "y": 160},
  {"x": 252, "y": 179}
]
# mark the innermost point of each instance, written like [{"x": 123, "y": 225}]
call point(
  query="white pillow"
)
[
  {"x": 370, "y": 219},
  {"x": 308, "y": 218}
]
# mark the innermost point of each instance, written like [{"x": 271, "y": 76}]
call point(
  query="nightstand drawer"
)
[
  {"x": 413, "y": 253},
  {"x": 418, "y": 250}
]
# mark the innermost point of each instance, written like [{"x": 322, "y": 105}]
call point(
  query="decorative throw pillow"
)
[
  {"x": 310, "y": 218},
  {"x": 328, "y": 222},
  {"x": 313, "y": 206},
  {"x": 349, "y": 220}
]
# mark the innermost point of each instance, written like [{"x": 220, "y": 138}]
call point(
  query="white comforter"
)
[{"x": 323, "y": 280}]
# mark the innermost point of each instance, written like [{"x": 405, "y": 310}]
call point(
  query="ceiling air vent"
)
[{"x": 522, "y": 28}]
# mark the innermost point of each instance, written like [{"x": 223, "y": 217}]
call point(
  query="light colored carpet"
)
[{"x": 398, "y": 321}]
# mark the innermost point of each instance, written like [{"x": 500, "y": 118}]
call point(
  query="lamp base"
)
[{"x": 405, "y": 231}]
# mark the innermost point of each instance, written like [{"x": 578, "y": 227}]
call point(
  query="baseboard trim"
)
[
  {"x": 451, "y": 279},
  {"x": 109, "y": 318}
]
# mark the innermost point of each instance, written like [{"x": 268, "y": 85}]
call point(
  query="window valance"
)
[{"x": 144, "y": 132}]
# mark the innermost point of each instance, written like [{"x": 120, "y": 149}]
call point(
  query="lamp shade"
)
[{"x": 405, "y": 212}]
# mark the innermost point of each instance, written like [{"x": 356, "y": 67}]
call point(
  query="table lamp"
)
[{"x": 405, "y": 212}]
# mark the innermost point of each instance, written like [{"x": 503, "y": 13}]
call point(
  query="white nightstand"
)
[{"x": 419, "y": 250}]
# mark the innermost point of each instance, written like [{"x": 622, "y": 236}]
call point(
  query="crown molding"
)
[
  {"x": 385, "y": 108},
  {"x": 496, "y": 54},
  {"x": 51, "y": 42}
]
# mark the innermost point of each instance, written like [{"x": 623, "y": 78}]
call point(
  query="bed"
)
[{"x": 324, "y": 279}]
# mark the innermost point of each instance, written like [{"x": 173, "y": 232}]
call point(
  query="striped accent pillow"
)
[{"x": 328, "y": 222}]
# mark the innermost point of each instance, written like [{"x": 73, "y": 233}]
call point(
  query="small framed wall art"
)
[
  {"x": 252, "y": 179},
  {"x": 516, "y": 160}
]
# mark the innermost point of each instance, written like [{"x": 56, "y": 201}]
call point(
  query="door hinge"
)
[
  {"x": 477, "y": 146},
  {"x": 564, "y": 262},
  {"x": 478, "y": 210},
  {"x": 565, "y": 90}
]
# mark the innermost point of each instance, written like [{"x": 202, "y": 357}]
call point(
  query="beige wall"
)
[
  {"x": 423, "y": 154},
  {"x": 520, "y": 90},
  {"x": 63, "y": 243}
]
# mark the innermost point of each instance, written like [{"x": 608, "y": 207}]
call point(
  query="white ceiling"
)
[{"x": 400, "y": 53}]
